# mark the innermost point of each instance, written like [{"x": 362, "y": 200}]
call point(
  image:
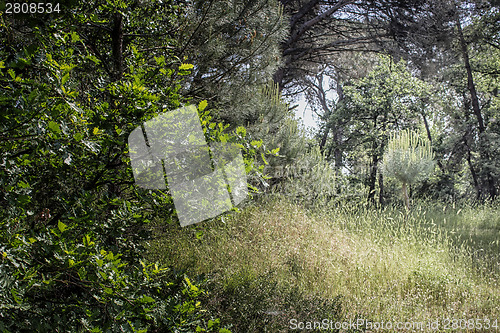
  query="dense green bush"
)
[
  {"x": 72, "y": 223},
  {"x": 53, "y": 279}
]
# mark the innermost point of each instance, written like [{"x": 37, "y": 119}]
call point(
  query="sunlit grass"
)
[{"x": 435, "y": 262}]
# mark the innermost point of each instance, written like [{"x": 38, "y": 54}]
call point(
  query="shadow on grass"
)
[
  {"x": 259, "y": 304},
  {"x": 475, "y": 230}
]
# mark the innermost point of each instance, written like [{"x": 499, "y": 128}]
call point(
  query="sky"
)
[{"x": 305, "y": 114}]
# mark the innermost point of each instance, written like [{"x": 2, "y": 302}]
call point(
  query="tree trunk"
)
[
  {"x": 323, "y": 138},
  {"x": 337, "y": 153},
  {"x": 473, "y": 173},
  {"x": 339, "y": 132},
  {"x": 117, "y": 46},
  {"x": 490, "y": 182},
  {"x": 372, "y": 180},
  {"x": 470, "y": 80},
  {"x": 405, "y": 196},
  {"x": 429, "y": 136},
  {"x": 381, "y": 189},
  {"x": 279, "y": 77}
]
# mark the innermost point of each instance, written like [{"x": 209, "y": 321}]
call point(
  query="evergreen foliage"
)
[
  {"x": 408, "y": 158},
  {"x": 234, "y": 47}
]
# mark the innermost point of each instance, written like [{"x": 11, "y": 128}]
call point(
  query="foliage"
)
[
  {"x": 72, "y": 224},
  {"x": 454, "y": 45},
  {"x": 388, "y": 99},
  {"x": 326, "y": 32},
  {"x": 255, "y": 152},
  {"x": 234, "y": 46},
  {"x": 278, "y": 130},
  {"x": 408, "y": 158},
  {"x": 310, "y": 180},
  {"x": 53, "y": 279}
]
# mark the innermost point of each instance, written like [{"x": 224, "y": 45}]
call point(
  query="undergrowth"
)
[{"x": 275, "y": 262}]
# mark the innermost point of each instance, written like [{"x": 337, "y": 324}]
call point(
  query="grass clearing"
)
[{"x": 279, "y": 261}]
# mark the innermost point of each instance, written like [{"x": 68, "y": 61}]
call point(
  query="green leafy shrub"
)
[
  {"x": 55, "y": 279},
  {"x": 72, "y": 224}
]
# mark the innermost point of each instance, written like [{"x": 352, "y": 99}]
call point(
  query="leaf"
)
[
  {"x": 23, "y": 184},
  {"x": 192, "y": 287},
  {"x": 263, "y": 158},
  {"x": 146, "y": 299},
  {"x": 87, "y": 241},
  {"x": 99, "y": 262},
  {"x": 75, "y": 37},
  {"x": 61, "y": 226},
  {"x": 203, "y": 104},
  {"x": 78, "y": 136},
  {"x": 11, "y": 73},
  {"x": 256, "y": 143},
  {"x": 240, "y": 130},
  {"x": 184, "y": 67},
  {"x": 23, "y": 199},
  {"x": 14, "y": 294},
  {"x": 211, "y": 323},
  {"x": 95, "y": 131},
  {"x": 109, "y": 256},
  {"x": 54, "y": 127},
  {"x": 160, "y": 60},
  {"x": 64, "y": 78}
]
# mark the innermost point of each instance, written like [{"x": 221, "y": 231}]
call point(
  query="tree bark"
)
[
  {"x": 473, "y": 171},
  {"x": 490, "y": 182},
  {"x": 381, "y": 199},
  {"x": 405, "y": 196},
  {"x": 323, "y": 138},
  {"x": 337, "y": 153},
  {"x": 278, "y": 78},
  {"x": 117, "y": 46},
  {"x": 429, "y": 136},
  {"x": 372, "y": 180},
  {"x": 470, "y": 80}
]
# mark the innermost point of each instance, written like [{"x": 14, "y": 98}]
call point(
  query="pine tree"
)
[
  {"x": 408, "y": 158},
  {"x": 234, "y": 47}
]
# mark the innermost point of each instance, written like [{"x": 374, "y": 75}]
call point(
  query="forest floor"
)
[{"x": 277, "y": 267}]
